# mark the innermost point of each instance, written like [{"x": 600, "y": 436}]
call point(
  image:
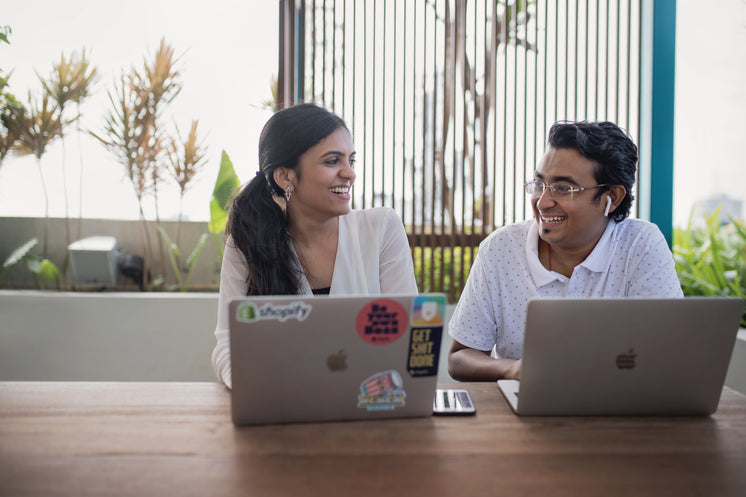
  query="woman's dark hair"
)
[
  {"x": 609, "y": 147},
  {"x": 257, "y": 223}
]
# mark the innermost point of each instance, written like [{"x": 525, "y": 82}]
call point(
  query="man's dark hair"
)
[{"x": 609, "y": 147}]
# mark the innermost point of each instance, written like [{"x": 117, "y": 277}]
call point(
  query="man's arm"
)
[{"x": 467, "y": 364}]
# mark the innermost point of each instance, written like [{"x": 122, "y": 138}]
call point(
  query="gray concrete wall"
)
[{"x": 130, "y": 237}]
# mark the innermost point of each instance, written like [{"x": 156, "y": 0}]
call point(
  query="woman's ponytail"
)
[{"x": 258, "y": 227}]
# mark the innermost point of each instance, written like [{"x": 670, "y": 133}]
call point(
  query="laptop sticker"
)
[
  {"x": 424, "y": 341},
  {"x": 382, "y": 321},
  {"x": 428, "y": 310},
  {"x": 424, "y": 349},
  {"x": 382, "y": 392},
  {"x": 249, "y": 312}
]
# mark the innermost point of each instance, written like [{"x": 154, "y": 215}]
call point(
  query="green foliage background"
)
[
  {"x": 434, "y": 272},
  {"x": 711, "y": 258}
]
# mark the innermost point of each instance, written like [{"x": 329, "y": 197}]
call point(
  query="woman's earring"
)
[
  {"x": 288, "y": 194},
  {"x": 608, "y": 206}
]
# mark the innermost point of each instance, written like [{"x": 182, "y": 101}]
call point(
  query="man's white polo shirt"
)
[{"x": 632, "y": 259}]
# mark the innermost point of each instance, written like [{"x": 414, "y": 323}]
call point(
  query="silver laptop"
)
[
  {"x": 303, "y": 358},
  {"x": 624, "y": 356}
]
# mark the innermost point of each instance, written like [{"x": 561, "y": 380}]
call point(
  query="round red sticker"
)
[{"x": 382, "y": 322}]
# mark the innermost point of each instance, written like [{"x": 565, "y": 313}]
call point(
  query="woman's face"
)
[{"x": 324, "y": 177}]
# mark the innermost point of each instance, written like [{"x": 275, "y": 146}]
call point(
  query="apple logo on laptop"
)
[
  {"x": 337, "y": 362},
  {"x": 626, "y": 360}
]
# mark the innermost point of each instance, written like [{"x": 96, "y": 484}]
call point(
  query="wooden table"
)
[{"x": 177, "y": 439}]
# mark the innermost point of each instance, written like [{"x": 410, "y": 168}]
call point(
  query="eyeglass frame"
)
[{"x": 553, "y": 189}]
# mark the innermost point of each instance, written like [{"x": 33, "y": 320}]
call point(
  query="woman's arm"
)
[{"x": 233, "y": 274}]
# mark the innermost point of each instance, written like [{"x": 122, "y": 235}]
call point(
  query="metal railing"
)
[{"x": 449, "y": 102}]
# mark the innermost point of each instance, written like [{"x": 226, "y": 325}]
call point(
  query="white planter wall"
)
[
  {"x": 106, "y": 336},
  {"x": 66, "y": 336},
  {"x": 58, "y": 336}
]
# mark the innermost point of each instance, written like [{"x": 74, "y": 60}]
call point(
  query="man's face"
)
[{"x": 569, "y": 223}]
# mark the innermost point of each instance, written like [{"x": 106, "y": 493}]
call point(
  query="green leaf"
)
[
  {"x": 157, "y": 281},
  {"x": 711, "y": 258},
  {"x": 20, "y": 253},
  {"x": 197, "y": 250},
  {"x": 172, "y": 247},
  {"x": 33, "y": 263},
  {"x": 4, "y": 32},
  {"x": 190, "y": 262},
  {"x": 49, "y": 271},
  {"x": 218, "y": 217},
  {"x": 739, "y": 229},
  {"x": 173, "y": 252},
  {"x": 226, "y": 185}
]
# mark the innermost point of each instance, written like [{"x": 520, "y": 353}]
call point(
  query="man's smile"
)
[{"x": 552, "y": 219}]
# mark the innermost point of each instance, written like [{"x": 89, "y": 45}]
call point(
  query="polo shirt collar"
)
[
  {"x": 597, "y": 261},
  {"x": 541, "y": 275}
]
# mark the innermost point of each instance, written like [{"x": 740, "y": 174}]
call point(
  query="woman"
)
[{"x": 291, "y": 230}]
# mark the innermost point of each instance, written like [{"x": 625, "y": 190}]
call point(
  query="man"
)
[{"x": 580, "y": 244}]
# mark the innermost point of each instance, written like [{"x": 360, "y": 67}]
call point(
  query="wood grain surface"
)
[{"x": 143, "y": 439}]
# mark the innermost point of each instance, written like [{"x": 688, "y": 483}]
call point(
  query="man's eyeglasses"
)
[{"x": 536, "y": 188}]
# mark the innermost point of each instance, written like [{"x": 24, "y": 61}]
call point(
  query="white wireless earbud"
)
[{"x": 608, "y": 206}]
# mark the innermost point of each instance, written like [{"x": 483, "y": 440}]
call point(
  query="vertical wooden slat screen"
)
[{"x": 449, "y": 102}]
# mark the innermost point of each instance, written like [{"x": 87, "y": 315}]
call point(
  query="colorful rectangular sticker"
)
[{"x": 428, "y": 313}]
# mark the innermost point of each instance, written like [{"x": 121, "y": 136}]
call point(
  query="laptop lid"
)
[
  {"x": 625, "y": 356},
  {"x": 303, "y": 358}
]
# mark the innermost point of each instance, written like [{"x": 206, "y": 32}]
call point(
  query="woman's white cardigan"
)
[{"x": 373, "y": 257}]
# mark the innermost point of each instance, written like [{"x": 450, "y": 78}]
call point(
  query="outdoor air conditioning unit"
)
[{"x": 94, "y": 261}]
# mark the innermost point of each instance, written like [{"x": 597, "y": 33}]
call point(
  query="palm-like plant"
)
[
  {"x": 129, "y": 137},
  {"x": 71, "y": 81},
  {"x": 9, "y": 106},
  {"x": 185, "y": 158},
  {"x": 158, "y": 84},
  {"x": 36, "y": 130},
  {"x": 132, "y": 128}
]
